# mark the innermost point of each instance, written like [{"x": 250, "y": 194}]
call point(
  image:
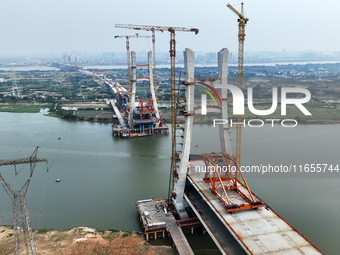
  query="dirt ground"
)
[
  {"x": 87, "y": 105},
  {"x": 82, "y": 241}
]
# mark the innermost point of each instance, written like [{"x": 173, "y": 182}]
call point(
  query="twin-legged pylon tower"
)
[{"x": 24, "y": 243}]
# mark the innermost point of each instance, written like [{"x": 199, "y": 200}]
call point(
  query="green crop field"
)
[{"x": 32, "y": 108}]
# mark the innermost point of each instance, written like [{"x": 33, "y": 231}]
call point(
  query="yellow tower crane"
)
[{"x": 242, "y": 21}]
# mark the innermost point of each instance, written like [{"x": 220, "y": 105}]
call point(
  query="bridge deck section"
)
[
  {"x": 178, "y": 237},
  {"x": 260, "y": 231},
  {"x": 117, "y": 112},
  {"x": 218, "y": 232}
]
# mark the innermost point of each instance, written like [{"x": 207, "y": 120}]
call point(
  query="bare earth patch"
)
[{"x": 82, "y": 241}]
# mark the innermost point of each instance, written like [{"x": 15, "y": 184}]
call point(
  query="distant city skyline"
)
[{"x": 43, "y": 27}]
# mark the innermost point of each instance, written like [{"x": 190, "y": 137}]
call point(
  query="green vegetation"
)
[
  {"x": 39, "y": 89},
  {"x": 28, "y": 108},
  {"x": 88, "y": 114},
  {"x": 113, "y": 230},
  {"x": 42, "y": 231},
  {"x": 48, "y": 86},
  {"x": 127, "y": 233},
  {"x": 56, "y": 110}
]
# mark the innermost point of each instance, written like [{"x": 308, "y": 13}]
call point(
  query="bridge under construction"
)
[
  {"x": 136, "y": 116},
  {"x": 211, "y": 188}
]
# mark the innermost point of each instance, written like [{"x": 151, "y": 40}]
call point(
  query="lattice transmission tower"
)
[
  {"x": 23, "y": 236},
  {"x": 15, "y": 89}
]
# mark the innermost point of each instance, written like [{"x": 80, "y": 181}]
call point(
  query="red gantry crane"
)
[{"x": 242, "y": 21}]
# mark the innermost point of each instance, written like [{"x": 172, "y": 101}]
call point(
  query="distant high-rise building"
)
[{"x": 71, "y": 59}]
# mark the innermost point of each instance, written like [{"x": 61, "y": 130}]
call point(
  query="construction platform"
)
[
  {"x": 159, "y": 223},
  {"x": 140, "y": 126},
  {"x": 260, "y": 231},
  {"x": 125, "y": 131}
]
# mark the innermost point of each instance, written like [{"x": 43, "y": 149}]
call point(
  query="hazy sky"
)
[{"x": 33, "y": 26}]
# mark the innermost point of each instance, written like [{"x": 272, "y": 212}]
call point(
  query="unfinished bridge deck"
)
[
  {"x": 260, "y": 231},
  {"x": 178, "y": 236}
]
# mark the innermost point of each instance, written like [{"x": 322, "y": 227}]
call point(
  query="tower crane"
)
[
  {"x": 127, "y": 37},
  {"x": 153, "y": 29},
  {"x": 242, "y": 21},
  {"x": 172, "y": 30}
]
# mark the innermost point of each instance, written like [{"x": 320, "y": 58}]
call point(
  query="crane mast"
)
[
  {"x": 242, "y": 21},
  {"x": 140, "y": 27},
  {"x": 154, "y": 61},
  {"x": 128, "y": 63}
]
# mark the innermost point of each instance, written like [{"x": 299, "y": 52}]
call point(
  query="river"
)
[
  {"x": 102, "y": 177},
  {"x": 28, "y": 68}
]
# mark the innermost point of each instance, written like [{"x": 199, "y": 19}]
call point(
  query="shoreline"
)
[
  {"x": 36, "y": 108},
  {"x": 85, "y": 240}
]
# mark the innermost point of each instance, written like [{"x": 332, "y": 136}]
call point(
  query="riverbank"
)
[
  {"x": 84, "y": 111},
  {"x": 22, "y": 107},
  {"x": 84, "y": 240},
  {"x": 101, "y": 112}
]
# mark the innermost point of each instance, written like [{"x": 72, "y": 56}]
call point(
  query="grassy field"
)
[
  {"x": 28, "y": 108},
  {"x": 293, "y": 112}
]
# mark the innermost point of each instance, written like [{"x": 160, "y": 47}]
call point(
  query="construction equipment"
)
[
  {"x": 242, "y": 21},
  {"x": 24, "y": 243},
  {"x": 127, "y": 37},
  {"x": 174, "y": 126},
  {"x": 153, "y": 29},
  {"x": 222, "y": 173},
  {"x": 96, "y": 69}
]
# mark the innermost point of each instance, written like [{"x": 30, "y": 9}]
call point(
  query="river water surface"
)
[{"x": 102, "y": 177}]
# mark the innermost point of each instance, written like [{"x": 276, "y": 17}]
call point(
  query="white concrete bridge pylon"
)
[
  {"x": 152, "y": 86},
  {"x": 221, "y": 85},
  {"x": 183, "y": 164},
  {"x": 133, "y": 92}
]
